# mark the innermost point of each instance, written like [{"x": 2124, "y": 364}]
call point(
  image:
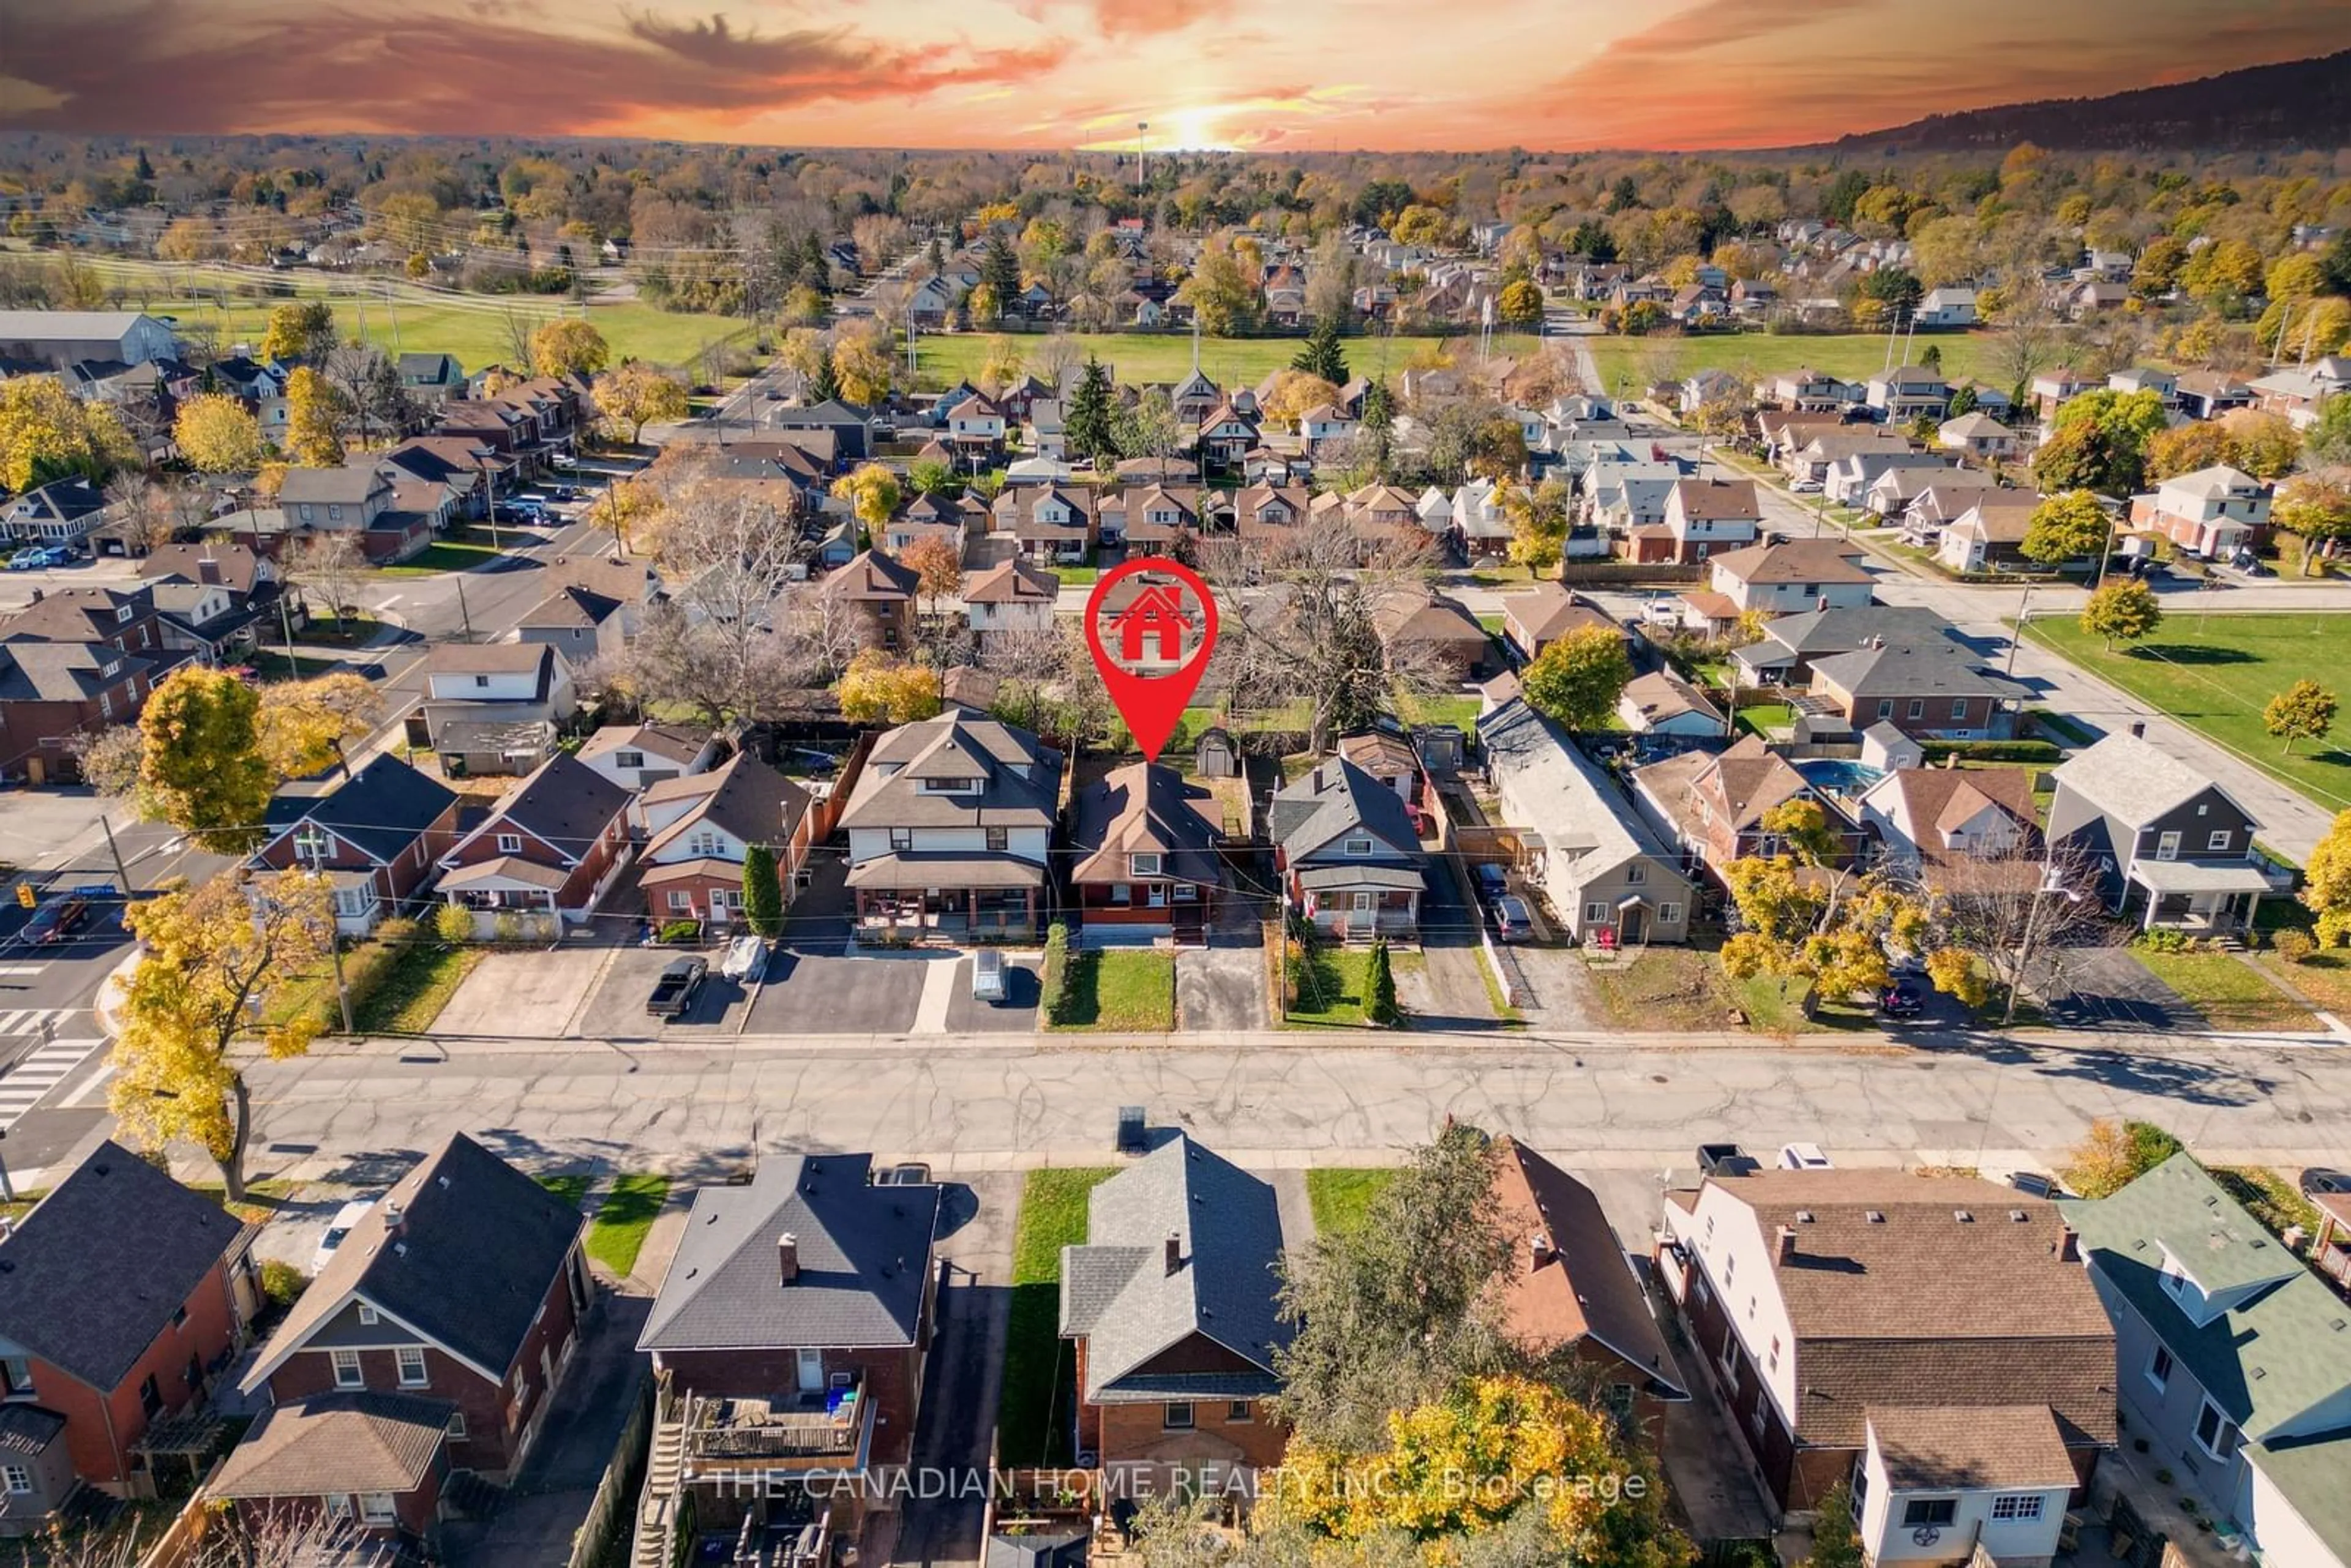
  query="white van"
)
[{"x": 988, "y": 981}]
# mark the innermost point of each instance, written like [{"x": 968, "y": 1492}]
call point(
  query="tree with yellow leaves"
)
[
  {"x": 624, "y": 508},
  {"x": 1294, "y": 393},
  {"x": 873, "y": 493},
  {"x": 203, "y": 769},
  {"x": 301, "y": 329},
  {"x": 862, "y": 366},
  {"x": 634, "y": 394},
  {"x": 314, "y": 433},
  {"x": 569, "y": 347},
  {"x": 304, "y": 727},
  {"x": 1805, "y": 918},
  {"x": 217, "y": 435},
  {"x": 213, "y": 957},
  {"x": 880, "y": 688},
  {"x": 938, "y": 565},
  {"x": 47, "y": 433}
]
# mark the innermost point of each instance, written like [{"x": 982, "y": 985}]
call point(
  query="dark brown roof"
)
[
  {"x": 1014, "y": 582},
  {"x": 355, "y": 1442},
  {"x": 1799, "y": 560},
  {"x": 1147, "y": 808},
  {"x": 1581, "y": 1284},
  {"x": 874, "y": 577},
  {"x": 1713, "y": 499},
  {"x": 1974, "y": 1447},
  {"x": 744, "y": 797}
]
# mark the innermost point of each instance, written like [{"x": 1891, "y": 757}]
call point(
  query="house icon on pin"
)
[{"x": 1157, "y": 612}]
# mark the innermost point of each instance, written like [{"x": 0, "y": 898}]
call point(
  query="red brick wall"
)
[
  {"x": 1128, "y": 1432},
  {"x": 892, "y": 1381},
  {"x": 100, "y": 1428}
]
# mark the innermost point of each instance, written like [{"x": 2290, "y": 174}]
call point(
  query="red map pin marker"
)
[{"x": 1151, "y": 642}]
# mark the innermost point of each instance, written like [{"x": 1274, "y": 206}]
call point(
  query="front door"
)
[
  {"x": 1631, "y": 923},
  {"x": 812, "y": 1371}
]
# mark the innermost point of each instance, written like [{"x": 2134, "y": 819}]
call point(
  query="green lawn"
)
[
  {"x": 1039, "y": 1370},
  {"x": 1626, "y": 362},
  {"x": 946, "y": 358},
  {"x": 1341, "y": 1198},
  {"x": 268, "y": 666},
  {"x": 2269, "y": 1199},
  {"x": 416, "y": 988},
  {"x": 1120, "y": 990},
  {"x": 2324, "y": 977},
  {"x": 2216, "y": 672},
  {"x": 571, "y": 1188},
  {"x": 1685, "y": 988},
  {"x": 1456, "y": 708},
  {"x": 1332, "y": 985},
  {"x": 1762, "y": 718},
  {"x": 617, "y": 1234},
  {"x": 2230, "y": 993},
  {"x": 1077, "y": 576},
  {"x": 451, "y": 554}
]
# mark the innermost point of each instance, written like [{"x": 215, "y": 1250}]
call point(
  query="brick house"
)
[
  {"x": 702, "y": 825},
  {"x": 549, "y": 851},
  {"x": 370, "y": 1465},
  {"x": 790, "y": 1336},
  {"x": 1928, "y": 689},
  {"x": 1570, "y": 1287},
  {"x": 379, "y": 834},
  {"x": 1171, "y": 1301},
  {"x": 1143, "y": 844},
  {"x": 125, "y": 620},
  {"x": 1047, "y": 523},
  {"x": 1008, "y": 600},
  {"x": 464, "y": 1284},
  {"x": 2213, "y": 512},
  {"x": 52, "y": 693},
  {"x": 1713, "y": 806},
  {"x": 1822, "y": 1304},
  {"x": 359, "y": 498},
  {"x": 1347, "y": 853},
  {"x": 880, "y": 594},
  {"x": 122, "y": 1296}
]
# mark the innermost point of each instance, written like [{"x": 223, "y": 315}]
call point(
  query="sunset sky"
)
[{"x": 1541, "y": 74}]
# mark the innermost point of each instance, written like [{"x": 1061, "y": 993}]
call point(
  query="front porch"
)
[
  {"x": 911, "y": 896},
  {"x": 2202, "y": 898}
]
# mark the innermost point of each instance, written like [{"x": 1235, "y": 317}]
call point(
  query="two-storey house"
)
[
  {"x": 1945, "y": 825},
  {"x": 699, "y": 828},
  {"x": 378, "y": 835},
  {"x": 1907, "y": 393},
  {"x": 464, "y": 1285},
  {"x": 63, "y": 512},
  {"x": 123, "y": 618},
  {"x": 1144, "y": 851},
  {"x": 1047, "y": 523},
  {"x": 1347, "y": 853},
  {"x": 1225, "y": 437},
  {"x": 1171, "y": 1302},
  {"x": 1782, "y": 578},
  {"x": 1011, "y": 604},
  {"x": 123, "y": 1296},
  {"x": 1708, "y": 516},
  {"x": 2213, "y": 512},
  {"x": 1713, "y": 806},
  {"x": 359, "y": 498},
  {"x": 2161, "y": 836},
  {"x": 491, "y": 708},
  {"x": 950, "y": 825},
  {"x": 878, "y": 595},
  {"x": 51, "y": 693},
  {"x": 546, "y": 855}
]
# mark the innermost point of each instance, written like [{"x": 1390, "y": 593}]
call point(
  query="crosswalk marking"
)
[
  {"x": 28, "y": 1020},
  {"x": 23, "y": 1086},
  {"x": 21, "y": 971}
]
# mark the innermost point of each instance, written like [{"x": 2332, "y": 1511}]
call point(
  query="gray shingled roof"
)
[
  {"x": 1335, "y": 799},
  {"x": 954, "y": 747},
  {"x": 380, "y": 809},
  {"x": 1118, "y": 1292},
  {"x": 2130, "y": 779},
  {"x": 94, "y": 1273},
  {"x": 479, "y": 1245},
  {"x": 865, "y": 1252},
  {"x": 565, "y": 803},
  {"x": 355, "y": 1442}
]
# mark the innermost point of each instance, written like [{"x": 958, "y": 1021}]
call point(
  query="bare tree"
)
[
  {"x": 730, "y": 642},
  {"x": 328, "y": 565},
  {"x": 2020, "y": 910},
  {"x": 142, "y": 510},
  {"x": 2029, "y": 339},
  {"x": 1053, "y": 358}
]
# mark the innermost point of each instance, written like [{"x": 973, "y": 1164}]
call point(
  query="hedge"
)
[
  {"x": 1992, "y": 750},
  {"x": 1055, "y": 982}
]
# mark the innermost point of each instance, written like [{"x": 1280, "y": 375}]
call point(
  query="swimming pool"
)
[{"x": 1839, "y": 775}]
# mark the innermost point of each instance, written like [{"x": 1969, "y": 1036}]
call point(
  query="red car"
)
[{"x": 57, "y": 917}]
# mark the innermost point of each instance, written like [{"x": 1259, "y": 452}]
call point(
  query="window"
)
[
  {"x": 2158, "y": 1367},
  {"x": 628, "y": 759},
  {"x": 705, "y": 842},
  {"x": 1356, "y": 847},
  {"x": 369, "y": 1316},
  {"x": 346, "y": 1370},
  {"x": 122, "y": 616},
  {"x": 1120, "y": 893},
  {"x": 411, "y": 1358},
  {"x": 1958, "y": 708},
  {"x": 20, "y": 1479},
  {"x": 1730, "y": 1268},
  {"x": 1886, "y": 708},
  {"x": 1637, "y": 872},
  {"x": 17, "y": 1371},
  {"x": 680, "y": 900},
  {"x": 2215, "y": 1433},
  {"x": 311, "y": 845},
  {"x": 180, "y": 1317},
  {"x": 1595, "y": 912},
  {"x": 375, "y": 1508},
  {"x": 2219, "y": 842},
  {"x": 509, "y": 843},
  {"x": 1773, "y": 1359},
  {"x": 999, "y": 839},
  {"x": 338, "y": 1505},
  {"x": 901, "y": 838},
  {"x": 150, "y": 1396},
  {"x": 456, "y": 1426},
  {"x": 1917, "y": 707},
  {"x": 1929, "y": 1511},
  {"x": 1366, "y": 902},
  {"x": 1239, "y": 1411},
  {"x": 481, "y": 681},
  {"x": 334, "y": 513},
  {"x": 1144, "y": 865},
  {"x": 2017, "y": 1506},
  {"x": 1177, "y": 1416},
  {"x": 2166, "y": 848}
]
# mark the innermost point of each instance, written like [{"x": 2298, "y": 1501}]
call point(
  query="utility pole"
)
[
  {"x": 466, "y": 614},
  {"x": 1139, "y": 126},
  {"x": 2023, "y": 599},
  {"x": 286, "y": 623},
  {"x": 335, "y": 946},
  {"x": 120, "y": 875}
]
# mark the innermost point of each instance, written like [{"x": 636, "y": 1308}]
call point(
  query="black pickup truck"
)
[{"x": 674, "y": 992}]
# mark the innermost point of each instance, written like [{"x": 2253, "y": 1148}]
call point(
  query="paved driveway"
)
[
  {"x": 1559, "y": 987},
  {"x": 823, "y": 993},
  {"x": 1221, "y": 988},
  {"x": 2106, "y": 988},
  {"x": 1017, "y": 1014},
  {"x": 619, "y": 1007},
  {"x": 534, "y": 994},
  {"x": 1450, "y": 992},
  {"x": 955, "y": 1430}
]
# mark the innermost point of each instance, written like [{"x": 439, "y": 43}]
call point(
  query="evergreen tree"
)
[
  {"x": 145, "y": 173},
  {"x": 937, "y": 257},
  {"x": 1322, "y": 356},
  {"x": 1000, "y": 270},
  {"x": 815, "y": 271},
  {"x": 1087, "y": 428},
  {"x": 825, "y": 384},
  {"x": 1379, "y": 988},
  {"x": 1379, "y": 428},
  {"x": 763, "y": 894}
]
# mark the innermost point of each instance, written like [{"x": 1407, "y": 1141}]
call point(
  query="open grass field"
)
[
  {"x": 1626, "y": 363},
  {"x": 1342, "y": 1198},
  {"x": 2216, "y": 672},
  {"x": 1039, "y": 1369},
  {"x": 946, "y": 358}
]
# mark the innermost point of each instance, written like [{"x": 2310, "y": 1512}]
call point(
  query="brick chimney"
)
[
  {"x": 1174, "y": 1251},
  {"x": 1783, "y": 1245},
  {"x": 2069, "y": 1245},
  {"x": 1539, "y": 1251},
  {"x": 788, "y": 1258}
]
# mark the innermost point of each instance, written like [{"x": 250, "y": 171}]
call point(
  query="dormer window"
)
[
  {"x": 1144, "y": 864},
  {"x": 310, "y": 844},
  {"x": 122, "y": 615},
  {"x": 950, "y": 786}
]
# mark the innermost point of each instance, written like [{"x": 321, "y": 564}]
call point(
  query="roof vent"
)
[
  {"x": 1963, "y": 1216},
  {"x": 1803, "y": 1217},
  {"x": 1875, "y": 1217},
  {"x": 2259, "y": 1373},
  {"x": 444, "y": 1181},
  {"x": 2017, "y": 1214}
]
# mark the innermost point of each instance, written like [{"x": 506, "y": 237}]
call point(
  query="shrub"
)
[
  {"x": 281, "y": 1282},
  {"x": 679, "y": 932},
  {"x": 454, "y": 924},
  {"x": 2161, "y": 941},
  {"x": 1055, "y": 981},
  {"x": 1991, "y": 751},
  {"x": 2294, "y": 946}
]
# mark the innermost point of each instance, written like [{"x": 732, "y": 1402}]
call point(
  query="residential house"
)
[
  {"x": 1946, "y": 308},
  {"x": 122, "y": 619},
  {"x": 63, "y": 512},
  {"x": 1624, "y": 495},
  {"x": 1662, "y": 703},
  {"x": 2052, "y": 390},
  {"x": 577, "y": 623},
  {"x": 881, "y": 594},
  {"x": 1324, "y": 427},
  {"x": 1573, "y": 1290},
  {"x": 1260, "y": 511},
  {"x": 208, "y": 622},
  {"x": 1713, "y": 807},
  {"x": 950, "y": 824},
  {"x": 2164, "y": 384},
  {"x": 357, "y": 498},
  {"x": 1989, "y": 534},
  {"x": 122, "y": 1296},
  {"x": 848, "y": 427},
  {"x": 1144, "y": 863},
  {"x": 1347, "y": 853},
  {"x": 2160, "y": 835},
  {"x": 464, "y": 1285},
  {"x": 1933, "y": 1341},
  {"x": 636, "y": 755},
  {"x": 1008, "y": 603},
  {"x": 2088, "y": 298},
  {"x": 1980, "y": 436},
  {"x": 1784, "y": 655},
  {"x": 378, "y": 835},
  {"x": 1803, "y": 574},
  {"x": 1811, "y": 461},
  {"x": 1150, "y": 519},
  {"x": 791, "y": 1333},
  {"x": 2209, "y": 394},
  {"x": 1609, "y": 880},
  {"x": 1389, "y": 758},
  {"x": 1848, "y": 479},
  {"x": 1808, "y": 389},
  {"x": 2228, "y": 1361},
  {"x": 1946, "y": 494},
  {"x": 1943, "y": 822},
  {"x": 1047, "y": 523},
  {"x": 2213, "y": 512},
  {"x": 1705, "y": 518},
  {"x": 1196, "y": 397},
  {"x": 1225, "y": 437},
  {"x": 1533, "y": 620},
  {"x": 491, "y": 708},
  {"x": 1907, "y": 393},
  {"x": 1172, "y": 1304},
  {"x": 52, "y": 694},
  {"x": 699, "y": 828},
  {"x": 367, "y": 1469},
  {"x": 474, "y": 472},
  {"x": 1433, "y": 631},
  {"x": 975, "y": 432},
  {"x": 1928, "y": 689},
  {"x": 432, "y": 379},
  {"x": 60, "y": 338},
  {"x": 1047, "y": 429},
  {"x": 632, "y": 584},
  {"x": 546, "y": 854}
]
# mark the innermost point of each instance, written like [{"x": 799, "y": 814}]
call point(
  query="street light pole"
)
[{"x": 2023, "y": 599}]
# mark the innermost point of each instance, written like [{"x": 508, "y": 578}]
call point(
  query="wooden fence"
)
[{"x": 602, "y": 1538}]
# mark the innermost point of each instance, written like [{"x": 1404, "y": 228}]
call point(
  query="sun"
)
[{"x": 1193, "y": 130}]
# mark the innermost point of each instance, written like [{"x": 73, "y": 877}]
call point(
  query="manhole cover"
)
[{"x": 1656, "y": 1078}]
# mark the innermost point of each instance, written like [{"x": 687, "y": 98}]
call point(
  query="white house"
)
[
  {"x": 1662, "y": 703},
  {"x": 1007, "y": 600},
  {"x": 1707, "y": 517},
  {"x": 1978, "y": 435},
  {"x": 1784, "y": 578},
  {"x": 1947, "y": 307}
]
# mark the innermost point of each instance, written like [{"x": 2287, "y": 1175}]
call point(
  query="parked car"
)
[
  {"x": 2036, "y": 1185},
  {"x": 989, "y": 981},
  {"x": 1661, "y": 613},
  {"x": 36, "y": 557},
  {"x": 746, "y": 958},
  {"x": 1806, "y": 487},
  {"x": 674, "y": 992},
  {"x": 1900, "y": 1001},
  {"x": 1725, "y": 1159},
  {"x": 346, "y": 1219},
  {"x": 1802, "y": 1157},
  {"x": 57, "y": 916},
  {"x": 1514, "y": 922},
  {"x": 1493, "y": 881}
]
